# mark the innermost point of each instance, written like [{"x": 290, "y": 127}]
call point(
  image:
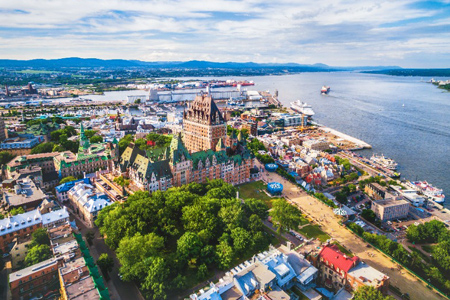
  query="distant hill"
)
[
  {"x": 414, "y": 72},
  {"x": 77, "y": 62}
]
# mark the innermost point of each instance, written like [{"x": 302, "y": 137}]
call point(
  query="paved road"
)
[{"x": 323, "y": 215}]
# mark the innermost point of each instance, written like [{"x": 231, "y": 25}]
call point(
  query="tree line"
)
[{"x": 171, "y": 240}]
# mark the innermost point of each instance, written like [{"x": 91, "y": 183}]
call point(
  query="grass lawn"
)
[
  {"x": 313, "y": 231},
  {"x": 342, "y": 249},
  {"x": 255, "y": 190},
  {"x": 427, "y": 248},
  {"x": 304, "y": 220},
  {"x": 425, "y": 257}
]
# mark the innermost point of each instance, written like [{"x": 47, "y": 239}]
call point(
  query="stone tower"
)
[{"x": 203, "y": 124}]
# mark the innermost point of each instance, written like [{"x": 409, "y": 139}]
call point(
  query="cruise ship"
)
[
  {"x": 302, "y": 107},
  {"x": 430, "y": 191},
  {"x": 384, "y": 161}
]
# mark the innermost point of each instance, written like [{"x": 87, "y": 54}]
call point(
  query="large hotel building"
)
[{"x": 204, "y": 151}]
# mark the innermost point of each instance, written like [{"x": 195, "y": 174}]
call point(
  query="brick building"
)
[
  {"x": 337, "y": 271},
  {"x": 203, "y": 124},
  {"x": 35, "y": 280}
]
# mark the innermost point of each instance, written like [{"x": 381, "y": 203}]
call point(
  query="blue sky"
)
[{"x": 334, "y": 32}]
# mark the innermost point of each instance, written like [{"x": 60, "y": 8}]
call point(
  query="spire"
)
[
  {"x": 240, "y": 137},
  {"x": 220, "y": 145},
  {"x": 84, "y": 141}
]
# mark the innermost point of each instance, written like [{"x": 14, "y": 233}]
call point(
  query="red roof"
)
[{"x": 337, "y": 258}]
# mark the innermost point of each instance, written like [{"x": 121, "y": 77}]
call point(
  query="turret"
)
[{"x": 220, "y": 145}]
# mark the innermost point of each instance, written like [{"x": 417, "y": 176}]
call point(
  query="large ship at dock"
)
[
  {"x": 303, "y": 108},
  {"x": 384, "y": 161},
  {"x": 430, "y": 191}
]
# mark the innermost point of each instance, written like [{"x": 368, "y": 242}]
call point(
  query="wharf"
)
[{"x": 359, "y": 144}]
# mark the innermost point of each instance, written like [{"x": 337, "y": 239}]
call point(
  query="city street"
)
[{"x": 324, "y": 215}]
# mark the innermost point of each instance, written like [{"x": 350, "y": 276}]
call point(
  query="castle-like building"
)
[{"x": 204, "y": 151}]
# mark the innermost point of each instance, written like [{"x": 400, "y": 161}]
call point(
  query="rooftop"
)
[
  {"x": 15, "y": 223},
  {"x": 83, "y": 289},
  {"x": 25, "y": 192},
  {"x": 32, "y": 269},
  {"x": 367, "y": 274},
  {"x": 25, "y": 158},
  {"x": 334, "y": 257},
  {"x": 390, "y": 202},
  {"x": 55, "y": 216}
]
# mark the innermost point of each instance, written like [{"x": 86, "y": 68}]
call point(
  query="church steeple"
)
[{"x": 84, "y": 141}]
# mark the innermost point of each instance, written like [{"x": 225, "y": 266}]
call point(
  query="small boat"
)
[{"x": 325, "y": 90}]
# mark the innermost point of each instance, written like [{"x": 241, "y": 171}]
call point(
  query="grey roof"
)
[{"x": 32, "y": 269}]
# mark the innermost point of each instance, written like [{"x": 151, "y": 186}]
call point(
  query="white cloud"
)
[{"x": 333, "y": 32}]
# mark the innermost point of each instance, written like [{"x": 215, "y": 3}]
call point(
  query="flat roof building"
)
[{"x": 390, "y": 209}]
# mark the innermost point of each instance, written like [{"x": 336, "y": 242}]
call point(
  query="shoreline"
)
[{"x": 360, "y": 144}]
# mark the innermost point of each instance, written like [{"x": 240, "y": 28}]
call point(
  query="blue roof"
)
[{"x": 65, "y": 187}]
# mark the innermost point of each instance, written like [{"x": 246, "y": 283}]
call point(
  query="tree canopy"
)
[
  {"x": 284, "y": 216},
  {"x": 367, "y": 292},
  {"x": 67, "y": 179},
  {"x": 160, "y": 238}
]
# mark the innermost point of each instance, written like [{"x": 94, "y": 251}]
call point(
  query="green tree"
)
[
  {"x": 43, "y": 148},
  {"x": 367, "y": 292},
  {"x": 155, "y": 283},
  {"x": 202, "y": 272},
  {"x": 40, "y": 237},
  {"x": 284, "y": 216},
  {"x": 137, "y": 101},
  {"x": 5, "y": 157},
  {"x": 124, "y": 142},
  {"x": 255, "y": 224},
  {"x": 225, "y": 255},
  {"x": 241, "y": 239},
  {"x": 67, "y": 179},
  {"x": 122, "y": 181},
  {"x": 368, "y": 214},
  {"x": 189, "y": 246},
  {"x": 90, "y": 133},
  {"x": 105, "y": 263},
  {"x": 256, "y": 206},
  {"x": 133, "y": 250},
  {"x": 96, "y": 139},
  {"x": 37, "y": 254},
  {"x": 356, "y": 228},
  {"x": 17, "y": 211}
]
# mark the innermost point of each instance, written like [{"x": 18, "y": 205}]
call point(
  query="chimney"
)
[{"x": 288, "y": 245}]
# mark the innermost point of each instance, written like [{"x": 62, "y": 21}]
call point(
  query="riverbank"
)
[{"x": 359, "y": 143}]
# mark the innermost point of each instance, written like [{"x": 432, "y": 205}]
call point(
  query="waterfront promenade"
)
[{"x": 329, "y": 222}]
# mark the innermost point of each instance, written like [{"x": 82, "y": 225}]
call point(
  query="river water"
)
[
  {"x": 370, "y": 107},
  {"x": 404, "y": 118}
]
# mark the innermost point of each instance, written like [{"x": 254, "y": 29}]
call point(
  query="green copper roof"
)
[{"x": 178, "y": 150}]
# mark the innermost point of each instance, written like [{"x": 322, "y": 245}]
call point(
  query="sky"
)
[{"x": 334, "y": 32}]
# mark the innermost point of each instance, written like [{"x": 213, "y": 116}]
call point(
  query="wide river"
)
[{"x": 403, "y": 118}]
